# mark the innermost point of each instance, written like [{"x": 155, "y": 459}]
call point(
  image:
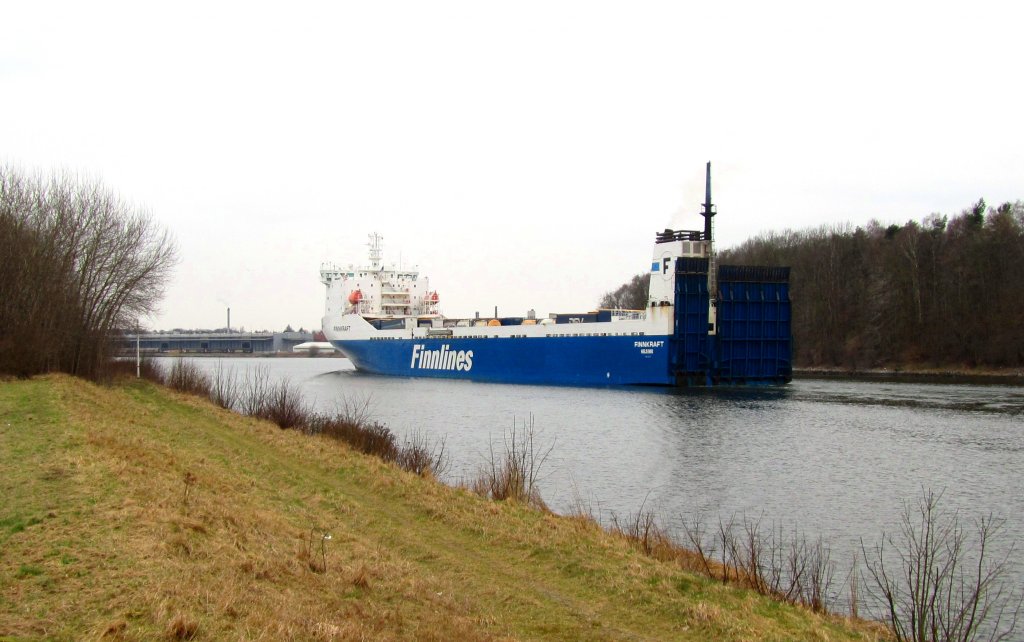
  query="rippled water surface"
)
[{"x": 836, "y": 458}]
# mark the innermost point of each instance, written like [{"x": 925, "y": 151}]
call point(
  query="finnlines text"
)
[{"x": 443, "y": 359}]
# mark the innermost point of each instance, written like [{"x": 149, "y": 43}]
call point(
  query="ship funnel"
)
[{"x": 708, "y": 210}]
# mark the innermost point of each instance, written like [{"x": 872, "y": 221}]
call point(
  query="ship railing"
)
[{"x": 668, "y": 236}]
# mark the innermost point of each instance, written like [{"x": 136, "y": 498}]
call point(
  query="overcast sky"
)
[{"x": 522, "y": 154}]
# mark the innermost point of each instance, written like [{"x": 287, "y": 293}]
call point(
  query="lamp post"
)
[{"x": 138, "y": 352}]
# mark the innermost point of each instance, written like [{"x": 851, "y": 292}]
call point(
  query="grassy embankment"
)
[{"x": 134, "y": 512}]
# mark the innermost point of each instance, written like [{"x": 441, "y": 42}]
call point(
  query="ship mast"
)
[
  {"x": 375, "y": 250},
  {"x": 708, "y": 212}
]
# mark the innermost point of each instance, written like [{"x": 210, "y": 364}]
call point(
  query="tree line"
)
[
  {"x": 78, "y": 264},
  {"x": 943, "y": 291},
  {"x": 631, "y": 295},
  {"x": 946, "y": 291}
]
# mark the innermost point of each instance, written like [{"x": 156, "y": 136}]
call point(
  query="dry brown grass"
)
[
  {"x": 102, "y": 536},
  {"x": 182, "y": 628}
]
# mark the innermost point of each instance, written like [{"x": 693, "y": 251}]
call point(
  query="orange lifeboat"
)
[
  {"x": 433, "y": 296},
  {"x": 355, "y": 297}
]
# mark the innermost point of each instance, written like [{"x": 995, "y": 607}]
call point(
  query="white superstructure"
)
[
  {"x": 670, "y": 246},
  {"x": 377, "y": 291},
  {"x": 375, "y": 301}
]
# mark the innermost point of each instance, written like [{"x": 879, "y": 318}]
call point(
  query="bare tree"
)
[{"x": 79, "y": 264}]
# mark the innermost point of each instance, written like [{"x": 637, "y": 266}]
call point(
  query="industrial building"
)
[{"x": 211, "y": 342}]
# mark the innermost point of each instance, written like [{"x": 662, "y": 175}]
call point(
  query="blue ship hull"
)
[
  {"x": 581, "y": 361},
  {"x": 752, "y": 345}
]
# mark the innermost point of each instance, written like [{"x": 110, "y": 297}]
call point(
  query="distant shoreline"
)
[{"x": 1009, "y": 377}]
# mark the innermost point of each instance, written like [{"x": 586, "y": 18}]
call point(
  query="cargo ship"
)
[{"x": 704, "y": 325}]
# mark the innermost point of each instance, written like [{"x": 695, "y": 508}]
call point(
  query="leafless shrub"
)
[
  {"x": 514, "y": 473},
  {"x": 801, "y": 571},
  {"x": 255, "y": 392},
  {"x": 149, "y": 369},
  {"x": 769, "y": 560},
  {"x": 792, "y": 562},
  {"x": 423, "y": 456},
  {"x": 643, "y": 529},
  {"x": 821, "y": 575},
  {"x": 185, "y": 376},
  {"x": 355, "y": 409},
  {"x": 729, "y": 548},
  {"x": 583, "y": 508},
  {"x": 224, "y": 386},
  {"x": 372, "y": 438},
  {"x": 697, "y": 537},
  {"x": 281, "y": 402},
  {"x": 939, "y": 584},
  {"x": 854, "y": 597},
  {"x": 119, "y": 368},
  {"x": 755, "y": 552},
  {"x": 284, "y": 405}
]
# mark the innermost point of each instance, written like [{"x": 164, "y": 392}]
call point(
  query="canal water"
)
[{"x": 830, "y": 457}]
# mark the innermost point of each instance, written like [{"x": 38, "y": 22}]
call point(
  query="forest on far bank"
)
[{"x": 946, "y": 291}]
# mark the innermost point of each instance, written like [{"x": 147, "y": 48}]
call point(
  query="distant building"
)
[{"x": 212, "y": 342}]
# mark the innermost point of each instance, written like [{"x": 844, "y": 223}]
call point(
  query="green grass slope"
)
[{"x": 132, "y": 512}]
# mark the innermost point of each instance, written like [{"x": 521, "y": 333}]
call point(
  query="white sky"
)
[{"x": 523, "y": 154}]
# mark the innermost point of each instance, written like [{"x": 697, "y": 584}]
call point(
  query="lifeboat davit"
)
[{"x": 355, "y": 297}]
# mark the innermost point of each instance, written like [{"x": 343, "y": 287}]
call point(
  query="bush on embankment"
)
[
  {"x": 937, "y": 579},
  {"x": 255, "y": 394}
]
